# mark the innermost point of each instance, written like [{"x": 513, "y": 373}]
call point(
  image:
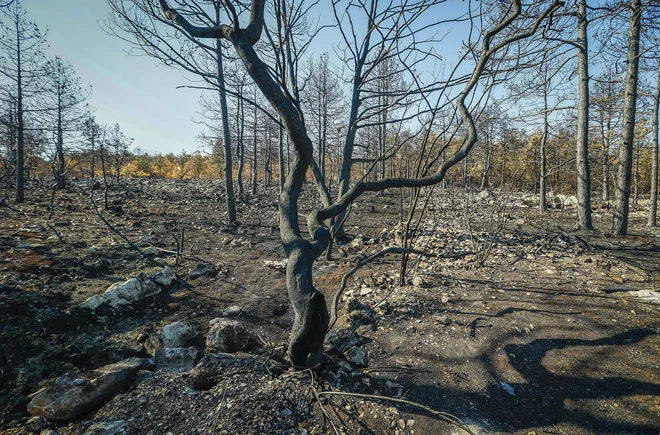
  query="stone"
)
[
  {"x": 422, "y": 282},
  {"x": 35, "y": 424},
  {"x": 177, "y": 334},
  {"x": 49, "y": 432},
  {"x": 116, "y": 427},
  {"x": 357, "y": 356},
  {"x": 231, "y": 311},
  {"x": 132, "y": 290},
  {"x": 366, "y": 291},
  {"x": 484, "y": 194},
  {"x": 202, "y": 269},
  {"x": 150, "y": 250},
  {"x": 165, "y": 277},
  {"x": 73, "y": 395},
  {"x": 176, "y": 359},
  {"x": 341, "y": 339},
  {"x": 226, "y": 336}
]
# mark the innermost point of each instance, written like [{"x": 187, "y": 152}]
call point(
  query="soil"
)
[{"x": 539, "y": 331}]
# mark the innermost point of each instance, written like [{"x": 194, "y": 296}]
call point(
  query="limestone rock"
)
[
  {"x": 35, "y": 424},
  {"x": 177, "y": 334},
  {"x": 116, "y": 427},
  {"x": 231, "y": 311},
  {"x": 226, "y": 335},
  {"x": 176, "y": 359},
  {"x": 132, "y": 290},
  {"x": 357, "y": 356},
  {"x": 202, "y": 269},
  {"x": 72, "y": 395}
]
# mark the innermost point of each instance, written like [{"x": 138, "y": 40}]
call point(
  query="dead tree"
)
[
  {"x": 653, "y": 212},
  {"x": 150, "y": 33},
  {"x": 63, "y": 98},
  {"x": 22, "y": 59},
  {"x": 624, "y": 166},
  {"x": 310, "y": 310}
]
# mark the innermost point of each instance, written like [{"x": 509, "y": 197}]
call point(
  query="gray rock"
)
[
  {"x": 49, "y": 432},
  {"x": 202, "y": 269},
  {"x": 177, "y": 334},
  {"x": 35, "y": 424},
  {"x": 164, "y": 277},
  {"x": 226, "y": 335},
  {"x": 72, "y": 395},
  {"x": 176, "y": 359},
  {"x": 132, "y": 290},
  {"x": 231, "y": 311},
  {"x": 422, "y": 282},
  {"x": 357, "y": 356},
  {"x": 116, "y": 427}
]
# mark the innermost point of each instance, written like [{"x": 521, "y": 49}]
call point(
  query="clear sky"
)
[
  {"x": 135, "y": 92},
  {"x": 138, "y": 92}
]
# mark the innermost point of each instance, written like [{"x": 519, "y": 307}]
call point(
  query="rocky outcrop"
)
[
  {"x": 73, "y": 395},
  {"x": 132, "y": 290}
]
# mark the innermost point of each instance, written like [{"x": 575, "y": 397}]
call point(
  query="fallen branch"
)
[
  {"x": 116, "y": 231},
  {"x": 451, "y": 419},
  {"x": 372, "y": 258}
]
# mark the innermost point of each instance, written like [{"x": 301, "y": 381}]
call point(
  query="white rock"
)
[
  {"x": 226, "y": 336},
  {"x": 176, "y": 359},
  {"x": 132, "y": 290},
  {"x": 177, "y": 334}
]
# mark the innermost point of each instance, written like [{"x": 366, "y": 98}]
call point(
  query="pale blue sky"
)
[{"x": 138, "y": 92}]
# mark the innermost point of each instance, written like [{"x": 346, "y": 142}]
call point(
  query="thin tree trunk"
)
[
  {"x": 61, "y": 182},
  {"x": 582, "y": 152},
  {"x": 544, "y": 142},
  {"x": 484, "y": 174},
  {"x": 240, "y": 146},
  {"x": 624, "y": 167},
  {"x": 653, "y": 212},
  {"x": 20, "y": 148},
  {"x": 226, "y": 138},
  {"x": 254, "y": 151}
]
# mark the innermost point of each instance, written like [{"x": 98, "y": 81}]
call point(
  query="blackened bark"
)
[
  {"x": 653, "y": 212},
  {"x": 624, "y": 167},
  {"x": 582, "y": 152},
  {"x": 230, "y": 201}
]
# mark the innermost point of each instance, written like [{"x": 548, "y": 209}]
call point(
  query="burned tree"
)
[
  {"x": 21, "y": 69},
  {"x": 311, "y": 313}
]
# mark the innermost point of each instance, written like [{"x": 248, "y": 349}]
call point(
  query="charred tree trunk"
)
[
  {"x": 254, "y": 151},
  {"x": 230, "y": 200},
  {"x": 544, "y": 162},
  {"x": 653, "y": 212},
  {"x": 20, "y": 131},
  {"x": 582, "y": 152},
  {"x": 624, "y": 167}
]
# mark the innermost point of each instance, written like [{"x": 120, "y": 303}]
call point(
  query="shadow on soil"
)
[{"x": 545, "y": 398}]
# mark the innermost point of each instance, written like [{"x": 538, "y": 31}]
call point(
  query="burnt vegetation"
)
[{"x": 382, "y": 236}]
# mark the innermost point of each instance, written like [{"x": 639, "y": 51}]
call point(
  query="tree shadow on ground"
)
[{"x": 548, "y": 398}]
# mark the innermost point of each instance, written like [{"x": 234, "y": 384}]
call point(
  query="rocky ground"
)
[{"x": 518, "y": 325}]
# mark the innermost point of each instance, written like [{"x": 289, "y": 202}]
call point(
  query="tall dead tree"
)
[
  {"x": 310, "y": 311},
  {"x": 22, "y": 59},
  {"x": 582, "y": 151},
  {"x": 140, "y": 23},
  {"x": 653, "y": 211},
  {"x": 63, "y": 99},
  {"x": 624, "y": 165}
]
